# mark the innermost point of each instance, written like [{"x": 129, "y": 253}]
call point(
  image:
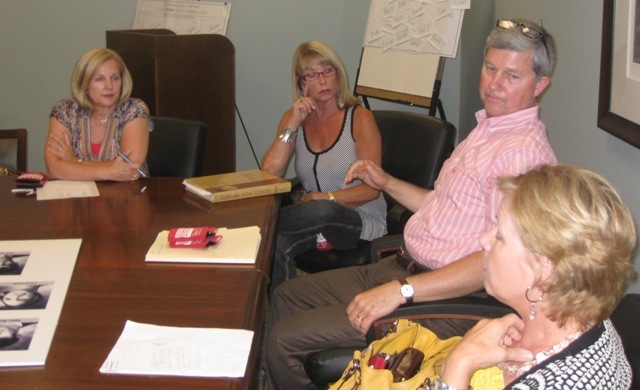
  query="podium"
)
[{"x": 186, "y": 76}]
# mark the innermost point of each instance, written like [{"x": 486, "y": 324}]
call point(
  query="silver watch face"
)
[{"x": 406, "y": 290}]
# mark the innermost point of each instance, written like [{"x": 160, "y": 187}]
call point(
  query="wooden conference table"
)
[{"x": 112, "y": 283}]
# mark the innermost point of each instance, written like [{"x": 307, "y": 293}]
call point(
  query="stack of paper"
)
[
  {"x": 237, "y": 246},
  {"x": 146, "y": 349}
]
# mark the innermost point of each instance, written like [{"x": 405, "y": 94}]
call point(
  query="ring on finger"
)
[
  {"x": 299, "y": 100},
  {"x": 360, "y": 318}
]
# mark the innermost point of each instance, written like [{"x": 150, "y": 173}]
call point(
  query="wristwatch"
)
[
  {"x": 288, "y": 135},
  {"x": 406, "y": 290}
]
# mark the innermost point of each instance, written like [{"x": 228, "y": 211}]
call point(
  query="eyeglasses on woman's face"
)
[{"x": 328, "y": 71}]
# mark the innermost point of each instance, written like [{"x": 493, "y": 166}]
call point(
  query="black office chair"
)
[
  {"x": 13, "y": 151},
  {"x": 176, "y": 147},
  {"x": 327, "y": 366},
  {"x": 414, "y": 147},
  {"x": 625, "y": 319}
]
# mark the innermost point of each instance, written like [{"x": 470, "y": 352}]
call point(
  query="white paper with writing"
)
[{"x": 147, "y": 349}]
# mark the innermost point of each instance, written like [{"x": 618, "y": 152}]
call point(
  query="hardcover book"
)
[{"x": 236, "y": 185}]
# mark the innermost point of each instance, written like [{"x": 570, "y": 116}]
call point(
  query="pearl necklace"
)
[{"x": 541, "y": 356}]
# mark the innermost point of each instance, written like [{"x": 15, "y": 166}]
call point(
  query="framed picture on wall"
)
[{"x": 618, "y": 111}]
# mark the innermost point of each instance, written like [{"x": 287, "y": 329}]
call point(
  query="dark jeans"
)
[{"x": 298, "y": 227}]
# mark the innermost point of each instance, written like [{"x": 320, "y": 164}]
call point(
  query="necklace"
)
[
  {"x": 102, "y": 120},
  {"x": 541, "y": 356}
]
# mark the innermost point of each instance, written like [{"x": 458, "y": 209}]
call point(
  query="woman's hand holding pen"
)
[{"x": 133, "y": 175}]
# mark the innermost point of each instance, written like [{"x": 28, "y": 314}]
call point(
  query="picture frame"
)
[{"x": 619, "y": 85}]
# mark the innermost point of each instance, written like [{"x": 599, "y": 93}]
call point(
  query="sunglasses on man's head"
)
[{"x": 528, "y": 31}]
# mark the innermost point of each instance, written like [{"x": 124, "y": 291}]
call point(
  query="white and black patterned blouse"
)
[
  {"x": 324, "y": 171},
  {"x": 595, "y": 360}
]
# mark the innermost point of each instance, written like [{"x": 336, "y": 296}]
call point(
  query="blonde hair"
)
[
  {"x": 85, "y": 69},
  {"x": 316, "y": 52},
  {"x": 577, "y": 220}
]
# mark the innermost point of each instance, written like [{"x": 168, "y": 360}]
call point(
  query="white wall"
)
[
  {"x": 42, "y": 39},
  {"x": 569, "y": 108}
]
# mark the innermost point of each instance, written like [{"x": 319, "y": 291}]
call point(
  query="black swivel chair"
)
[
  {"x": 327, "y": 366},
  {"x": 414, "y": 147},
  {"x": 176, "y": 147}
]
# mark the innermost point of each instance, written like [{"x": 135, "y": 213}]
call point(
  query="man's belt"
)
[{"x": 404, "y": 260}]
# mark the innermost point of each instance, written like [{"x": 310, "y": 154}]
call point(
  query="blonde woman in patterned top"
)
[{"x": 89, "y": 133}]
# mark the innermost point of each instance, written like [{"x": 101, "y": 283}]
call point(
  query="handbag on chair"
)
[{"x": 416, "y": 356}]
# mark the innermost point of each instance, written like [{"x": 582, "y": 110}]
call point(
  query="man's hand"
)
[
  {"x": 373, "y": 304},
  {"x": 369, "y": 172}
]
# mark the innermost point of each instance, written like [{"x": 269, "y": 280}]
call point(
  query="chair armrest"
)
[
  {"x": 295, "y": 194},
  {"x": 397, "y": 217},
  {"x": 471, "y": 307},
  {"x": 382, "y": 246}
]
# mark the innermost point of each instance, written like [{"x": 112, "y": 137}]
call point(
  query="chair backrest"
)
[
  {"x": 13, "y": 149},
  {"x": 414, "y": 147},
  {"x": 176, "y": 147},
  {"x": 625, "y": 318}
]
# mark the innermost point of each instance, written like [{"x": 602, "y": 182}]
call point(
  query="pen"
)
[
  {"x": 27, "y": 191},
  {"x": 126, "y": 159}
]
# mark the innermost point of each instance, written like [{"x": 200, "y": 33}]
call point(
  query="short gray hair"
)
[{"x": 544, "y": 48}]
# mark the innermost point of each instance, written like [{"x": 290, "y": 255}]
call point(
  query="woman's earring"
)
[
  {"x": 532, "y": 312},
  {"x": 340, "y": 103}
]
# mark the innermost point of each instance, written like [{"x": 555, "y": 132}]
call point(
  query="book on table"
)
[
  {"x": 236, "y": 185},
  {"x": 237, "y": 246}
]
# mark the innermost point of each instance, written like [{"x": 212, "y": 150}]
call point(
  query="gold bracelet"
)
[{"x": 331, "y": 197}]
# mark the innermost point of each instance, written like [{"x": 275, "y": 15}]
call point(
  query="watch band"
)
[{"x": 403, "y": 282}]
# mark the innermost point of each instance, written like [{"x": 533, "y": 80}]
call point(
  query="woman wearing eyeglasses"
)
[{"x": 327, "y": 130}]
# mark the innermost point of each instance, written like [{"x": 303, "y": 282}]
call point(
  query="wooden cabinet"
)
[{"x": 186, "y": 76}]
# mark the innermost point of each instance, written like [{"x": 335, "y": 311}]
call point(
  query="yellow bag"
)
[{"x": 405, "y": 333}]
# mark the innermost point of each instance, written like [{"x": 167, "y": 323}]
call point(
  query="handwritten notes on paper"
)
[
  {"x": 63, "y": 189},
  {"x": 147, "y": 349},
  {"x": 416, "y": 26},
  {"x": 183, "y": 16}
]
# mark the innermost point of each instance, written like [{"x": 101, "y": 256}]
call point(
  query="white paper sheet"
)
[
  {"x": 43, "y": 270},
  {"x": 63, "y": 189},
  {"x": 183, "y": 16},
  {"x": 147, "y": 349}
]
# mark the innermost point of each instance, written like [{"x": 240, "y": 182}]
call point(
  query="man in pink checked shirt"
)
[{"x": 442, "y": 256}]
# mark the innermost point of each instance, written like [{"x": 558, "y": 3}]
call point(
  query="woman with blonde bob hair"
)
[
  {"x": 327, "y": 130},
  {"x": 101, "y": 133},
  {"x": 560, "y": 256}
]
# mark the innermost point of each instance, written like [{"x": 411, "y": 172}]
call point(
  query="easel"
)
[
  {"x": 433, "y": 67},
  {"x": 404, "y": 51}
]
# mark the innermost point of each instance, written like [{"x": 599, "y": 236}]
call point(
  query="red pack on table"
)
[
  {"x": 193, "y": 237},
  {"x": 31, "y": 180}
]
